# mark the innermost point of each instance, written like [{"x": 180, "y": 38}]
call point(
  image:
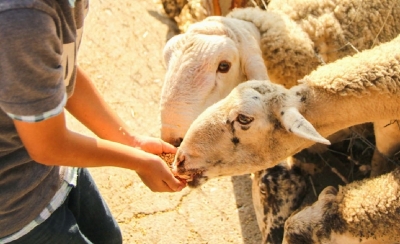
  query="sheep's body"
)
[
  {"x": 292, "y": 39},
  {"x": 296, "y": 182},
  {"x": 187, "y": 12},
  {"x": 259, "y": 123},
  {"x": 322, "y": 32},
  {"x": 299, "y": 35},
  {"x": 362, "y": 212}
]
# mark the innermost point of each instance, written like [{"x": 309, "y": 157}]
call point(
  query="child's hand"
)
[
  {"x": 153, "y": 145},
  {"x": 157, "y": 176}
]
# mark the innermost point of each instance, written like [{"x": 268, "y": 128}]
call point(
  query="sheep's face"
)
[
  {"x": 201, "y": 70},
  {"x": 251, "y": 129},
  {"x": 316, "y": 223},
  {"x": 229, "y": 136}
]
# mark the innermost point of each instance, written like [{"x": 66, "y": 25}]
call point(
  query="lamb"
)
[
  {"x": 349, "y": 213},
  {"x": 260, "y": 123}
]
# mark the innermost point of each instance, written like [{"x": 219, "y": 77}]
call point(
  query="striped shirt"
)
[
  {"x": 70, "y": 177},
  {"x": 69, "y": 181}
]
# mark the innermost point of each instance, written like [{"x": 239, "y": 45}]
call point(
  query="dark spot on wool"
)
[
  {"x": 300, "y": 238},
  {"x": 332, "y": 221},
  {"x": 266, "y": 209},
  {"x": 303, "y": 99},
  {"x": 218, "y": 162},
  {"x": 286, "y": 175},
  {"x": 282, "y": 113},
  {"x": 263, "y": 89},
  {"x": 235, "y": 140},
  {"x": 259, "y": 90},
  {"x": 275, "y": 235},
  {"x": 277, "y": 125},
  {"x": 232, "y": 127}
]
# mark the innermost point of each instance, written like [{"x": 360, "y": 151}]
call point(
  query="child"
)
[{"x": 46, "y": 194}]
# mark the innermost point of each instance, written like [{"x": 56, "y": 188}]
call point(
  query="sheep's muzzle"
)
[{"x": 194, "y": 177}]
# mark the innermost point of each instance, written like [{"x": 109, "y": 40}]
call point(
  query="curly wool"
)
[
  {"x": 299, "y": 35},
  {"x": 378, "y": 197},
  {"x": 358, "y": 82}
]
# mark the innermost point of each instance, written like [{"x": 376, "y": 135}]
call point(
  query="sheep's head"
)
[
  {"x": 254, "y": 127},
  {"x": 203, "y": 66},
  {"x": 316, "y": 223}
]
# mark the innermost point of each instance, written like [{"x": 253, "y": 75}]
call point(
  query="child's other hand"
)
[{"x": 153, "y": 145}]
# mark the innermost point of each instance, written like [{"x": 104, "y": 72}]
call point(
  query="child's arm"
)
[{"x": 51, "y": 143}]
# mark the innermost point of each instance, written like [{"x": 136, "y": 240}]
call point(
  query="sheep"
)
[
  {"x": 239, "y": 48},
  {"x": 185, "y": 13},
  {"x": 218, "y": 43},
  {"x": 330, "y": 33},
  {"x": 290, "y": 185},
  {"x": 358, "y": 89},
  {"x": 362, "y": 212},
  {"x": 260, "y": 123},
  {"x": 289, "y": 40},
  {"x": 181, "y": 103}
]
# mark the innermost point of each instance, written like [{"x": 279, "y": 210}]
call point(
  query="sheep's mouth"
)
[{"x": 193, "y": 177}]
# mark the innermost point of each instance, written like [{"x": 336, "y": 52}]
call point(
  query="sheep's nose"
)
[
  {"x": 178, "y": 166},
  {"x": 177, "y": 142}
]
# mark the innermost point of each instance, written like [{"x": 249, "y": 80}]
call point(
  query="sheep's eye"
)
[
  {"x": 224, "y": 66},
  {"x": 244, "y": 120}
]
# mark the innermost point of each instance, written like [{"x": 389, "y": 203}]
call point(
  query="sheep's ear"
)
[
  {"x": 247, "y": 37},
  {"x": 171, "y": 45},
  {"x": 328, "y": 191},
  {"x": 294, "y": 122}
]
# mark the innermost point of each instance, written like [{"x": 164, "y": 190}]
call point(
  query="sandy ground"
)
[{"x": 122, "y": 51}]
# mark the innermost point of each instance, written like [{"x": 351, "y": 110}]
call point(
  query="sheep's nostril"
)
[
  {"x": 180, "y": 164},
  {"x": 177, "y": 142}
]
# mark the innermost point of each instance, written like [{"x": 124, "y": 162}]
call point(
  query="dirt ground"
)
[{"x": 122, "y": 51}]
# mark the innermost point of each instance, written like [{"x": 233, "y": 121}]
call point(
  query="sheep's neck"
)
[
  {"x": 354, "y": 90},
  {"x": 330, "y": 112}
]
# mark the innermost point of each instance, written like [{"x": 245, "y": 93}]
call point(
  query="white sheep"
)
[
  {"x": 291, "y": 40},
  {"x": 349, "y": 215},
  {"x": 260, "y": 123}
]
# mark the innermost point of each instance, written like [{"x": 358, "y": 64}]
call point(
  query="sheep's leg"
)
[{"x": 387, "y": 140}]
